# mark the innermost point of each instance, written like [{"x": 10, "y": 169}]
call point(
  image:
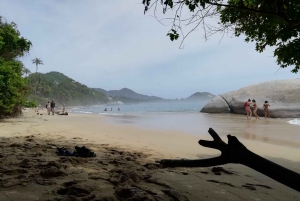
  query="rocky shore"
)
[{"x": 283, "y": 96}]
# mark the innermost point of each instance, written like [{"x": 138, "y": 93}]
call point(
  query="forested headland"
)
[
  {"x": 62, "y": 89},
  {"x": 20, "y": 88}
]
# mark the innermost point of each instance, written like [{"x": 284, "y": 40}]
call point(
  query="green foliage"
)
[
  {"x": 277, "y": 24},
  {"x": 29, "y": 103},
  {"x": 174, "y": 35},
  {"x": 265, "y": 22},
  {"x": 12, "y": 45},
  {"x": 62, "y": 89},
  {"x": 12, "y": 86},
  {"x": 25, "y": 70}
]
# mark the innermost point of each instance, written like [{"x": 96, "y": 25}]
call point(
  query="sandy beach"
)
[{"x": 125, "y": 168}]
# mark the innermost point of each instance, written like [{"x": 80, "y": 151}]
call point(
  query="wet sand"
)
[
  {"x": 271, "y": 137},
  {"x": 124, "y": 168}
]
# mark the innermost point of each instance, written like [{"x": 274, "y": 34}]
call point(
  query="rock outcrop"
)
[
  {"x": 283, "y": 96},
  {"x": 216, "y": 105}
]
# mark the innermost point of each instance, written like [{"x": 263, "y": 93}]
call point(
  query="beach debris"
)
[
  {"x": 236, "y": 152},
  {"x": 79, "y": 152}
]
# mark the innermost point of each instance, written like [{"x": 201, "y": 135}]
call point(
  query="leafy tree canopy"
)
[
  {"x": 12, "y": 86},
  {"x": 12, "y": 45},
  {"x": 265, "y": 22}
]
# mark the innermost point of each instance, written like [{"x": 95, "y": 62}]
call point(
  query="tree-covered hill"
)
[
  {"x": 128, "y": 96},
  {"x": 62, "y": 89},
  {"x": 201, "y": 96}
]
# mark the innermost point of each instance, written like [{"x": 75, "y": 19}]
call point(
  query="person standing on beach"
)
[
  {"x": 266, "y": 109},
  {"x": 48, "y": 106},
  {"x": 64, "y": 108},
  {"x": 52, "y": 106},
  {"x": 254, "y": 109},
  {"x": 247, "y": 108}
]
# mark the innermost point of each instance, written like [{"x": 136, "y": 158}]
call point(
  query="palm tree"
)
[{"x": 37, "y": 62}]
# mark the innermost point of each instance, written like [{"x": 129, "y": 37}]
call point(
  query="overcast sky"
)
[{"x": 111, "y": 44}]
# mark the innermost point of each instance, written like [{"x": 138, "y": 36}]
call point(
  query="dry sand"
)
[{"x": 124, "y": 168}]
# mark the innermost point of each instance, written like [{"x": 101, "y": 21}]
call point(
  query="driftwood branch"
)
[{"x": 236, "y": 152}]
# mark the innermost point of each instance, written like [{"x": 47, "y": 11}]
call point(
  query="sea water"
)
[
  {"x": 171, "y": 115},
  {"x": 185, "y": 117},
  {"x": 144, "y": 108}
]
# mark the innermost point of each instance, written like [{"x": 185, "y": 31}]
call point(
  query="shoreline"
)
[
  {"x": 263, "y": 137},
  {"x": 124, "y": 163}
]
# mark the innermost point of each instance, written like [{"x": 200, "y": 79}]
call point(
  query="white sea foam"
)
[
  {"x": 295, "y": 122},
  {"x": 112, "y": 114},
  {"x": 84, "y": 112}
]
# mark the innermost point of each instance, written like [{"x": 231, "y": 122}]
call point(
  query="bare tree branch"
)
[{"x": 236, "y": 152}]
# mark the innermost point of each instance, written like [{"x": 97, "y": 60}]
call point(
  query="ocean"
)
[
  {"x": 185, "y": 117},
  {"x": 277, "y": 136},
  {"x": 143, "y": 108}
]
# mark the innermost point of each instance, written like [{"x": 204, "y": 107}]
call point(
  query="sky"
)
[{"x": 111, "y": 44}]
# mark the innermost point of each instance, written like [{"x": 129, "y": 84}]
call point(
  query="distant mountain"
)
[
  {"x": 200, "y": 96},
  {"x": 127, "y": 95},
  {"x": 62, "y": 89}
]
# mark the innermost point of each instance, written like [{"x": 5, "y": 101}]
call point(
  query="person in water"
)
[
  {"x": 247, "y": 108},
  {"x": 266, "y": 109},
  {"x": 254, "y": 109}
]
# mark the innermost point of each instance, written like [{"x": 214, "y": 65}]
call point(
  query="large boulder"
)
[
  {"x": 283, "y": 96},
  {"x": 216, "y": 105}
]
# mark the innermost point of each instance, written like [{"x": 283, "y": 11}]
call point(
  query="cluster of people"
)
[
  {"x": 251, "y": 109},
  {"x": 50, "y": 107}
]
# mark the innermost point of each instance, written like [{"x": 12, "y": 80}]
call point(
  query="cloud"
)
[{"x": 112, "y": 44}]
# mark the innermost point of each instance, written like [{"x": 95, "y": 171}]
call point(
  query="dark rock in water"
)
[{"x": 282, "y": 95}]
